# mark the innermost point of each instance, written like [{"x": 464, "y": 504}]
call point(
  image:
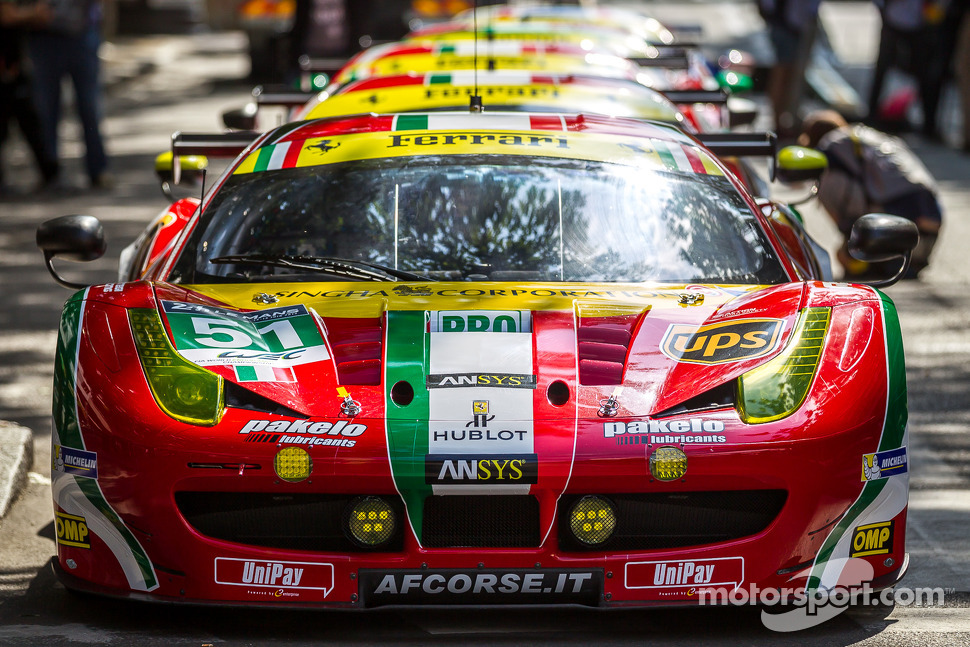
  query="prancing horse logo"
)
[{"x": 324, "y": 146}]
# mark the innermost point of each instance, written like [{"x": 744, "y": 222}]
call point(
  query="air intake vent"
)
[
  {"x": 358, "y": 346},
  {"x": 603, "y": 346},
  {"x": 656, "y": 521},
  {"x": 481, "y": 521}
]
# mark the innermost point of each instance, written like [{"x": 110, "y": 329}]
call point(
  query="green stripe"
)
[
  {"x": 69, "y": 430},
  {"x": 262, "y": 159},
  {"x": 435, "y": 79},
  {"x": 246, "y": 373},
  {"x": 411, "y": 122},
  {"x": 447, "y": 49},
  {"x": 897, "y": 412},
  {"x": 893, "y": 430},
  {"x": 407, "y": 427},
  {"x": 667, "y": 158},
  {"x": 65, "y": 365}
]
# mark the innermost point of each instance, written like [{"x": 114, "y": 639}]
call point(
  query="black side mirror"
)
[
  {"x": 74, "y": 238},
  {"x": 241, "y": 118},
  {"x": 878, "y": 237}
]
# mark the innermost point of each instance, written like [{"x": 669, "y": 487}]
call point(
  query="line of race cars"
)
[{"x": 529, "y": 331}]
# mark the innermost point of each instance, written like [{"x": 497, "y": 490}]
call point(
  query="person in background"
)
[
  {"x": 910, "y": 40},
  {"x": 955, "y": 60},
  {"x": 67, "y": 45},
  {"x": 791, "y": 27},
  {"x": 872, "y": 172},
  {"x": 16, "y": 102}
]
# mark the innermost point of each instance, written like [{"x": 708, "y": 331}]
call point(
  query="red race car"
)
[{"x": 476, "y": 358}]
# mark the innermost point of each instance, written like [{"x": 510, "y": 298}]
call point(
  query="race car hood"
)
[{"x": 305, "y": 346}]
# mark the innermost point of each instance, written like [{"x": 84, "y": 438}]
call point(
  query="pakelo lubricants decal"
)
[
  {"x": 480, "y": 383},
  {"x": 260, "y": 346}
]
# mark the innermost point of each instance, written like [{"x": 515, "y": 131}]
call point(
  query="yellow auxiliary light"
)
[
  {"x": 592, "y": 520},
  {"x": 371, "y": 521},
  {"x": 668, "y": 463},
  {"x": 293, "y": 464}
]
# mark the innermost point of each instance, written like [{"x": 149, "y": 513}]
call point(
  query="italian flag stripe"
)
[
  {"x": 278, "y": 156},
  {"x": 263, "y": 156},
  {"x": 666, "y": 157},
  {"x": 407, "y": 347},
  {"x": 264, "y": 373},
  {"x": 694, "y": 159},
  {"x": 411, "y": 122},
  {"x": 293, "y": 154},
  {"x": 547, "y": 122},
  {"x": 434, "y": 79}
]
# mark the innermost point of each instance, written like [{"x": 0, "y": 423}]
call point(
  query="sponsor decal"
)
[
  {"x": 303, "y": 432},
  {"x": 476, "y": 292},
  {"x": 277, "y": 337},
  {"x": 872, "y": 539},
  {"x": 691, "y": 430},
  {"x": 75, "y": 461},
  {"x": 682, "y": 579},
  {"x": 462, "y": 469},
  {"x": 259, "y": 573},
  {"x": 884, "y": 464},
  {"x": 730, "y": 341},
  {"x": 72, "y": 530},
  {"x": 500, "y": 380},
  {"x": 481, "y": 321},
  {"x": 468, "y": 587}
]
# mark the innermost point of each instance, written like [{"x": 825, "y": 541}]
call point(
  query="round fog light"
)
[
  {"x": 293, "y": 464},
  {"x": 592, "y": 520},
  {"x": 371, "y": 521},
  {"x": 668, "y": 463}
]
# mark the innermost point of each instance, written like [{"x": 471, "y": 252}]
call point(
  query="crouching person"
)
[{"x": 872, "y": 172}]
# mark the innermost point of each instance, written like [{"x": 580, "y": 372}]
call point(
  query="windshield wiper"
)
[{"x": 330, "y": 264}]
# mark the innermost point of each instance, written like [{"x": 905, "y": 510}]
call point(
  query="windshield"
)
[{"x": 478, "y": 218}]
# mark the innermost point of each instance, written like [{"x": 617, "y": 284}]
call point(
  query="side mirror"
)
[
  {"x": 799, "y": 164},
  {"x": 241, "y": 118},
  {"x": 193, "y": 171},
  {"x": 741, "y": 112},
  {"x": 73, "y": 238},
  {"x": 878, "y": 237}
]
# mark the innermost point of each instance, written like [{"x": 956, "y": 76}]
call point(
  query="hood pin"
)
[
  {"x": 262, "y": 297},
  {"x": 349, "y": 407},
  {"x": 609, "y": 407}
]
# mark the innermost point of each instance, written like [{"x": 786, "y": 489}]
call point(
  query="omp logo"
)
[
  {"x": 730, "y": 341},
  {"x": 482, "y": 321},
  {"x": 72, "y": 530},
  {"x": 872, "y": 539},
  {"x": 459, "y": 469},
  {"x": 458, "y": 380},
  {"x": 288, "y": 575},
  {"x": 884, "y": 464}
]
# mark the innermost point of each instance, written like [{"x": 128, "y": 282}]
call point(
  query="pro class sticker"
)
[{"x": 728, "y": 341}]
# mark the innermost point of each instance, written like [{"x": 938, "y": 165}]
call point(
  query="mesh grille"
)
[
  {"x": 481, "y": 521},
  {"x": 675, "y": 520},
  {"x": 312, "y": 522}
]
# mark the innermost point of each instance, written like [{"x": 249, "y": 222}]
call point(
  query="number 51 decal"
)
[{"x": 280, "y": 336}]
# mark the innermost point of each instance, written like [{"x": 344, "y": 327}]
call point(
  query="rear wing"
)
[
  {"x": 281, "y": 95},
  {"x": 764, "y": 144},
  {"x": 225, "y": 145},
  {"x": 696, "y": 96}
]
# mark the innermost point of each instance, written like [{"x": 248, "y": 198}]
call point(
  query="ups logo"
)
[{"x": 728, "y": 341}]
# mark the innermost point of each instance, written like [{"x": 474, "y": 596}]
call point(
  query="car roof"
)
[
  {"x": 570, "y": 136},
  {"x": 506, "y": 90}
]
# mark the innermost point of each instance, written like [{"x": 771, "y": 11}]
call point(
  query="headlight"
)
[
  {"x": 371, "y": 521},
  {"x": 592, "y": 520},
  {"x": 668, "y": 463},
  {"x": 293, "y": 464},
  {"x": 777, "y": 388},
  {"x": 183, "y": 390}
]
